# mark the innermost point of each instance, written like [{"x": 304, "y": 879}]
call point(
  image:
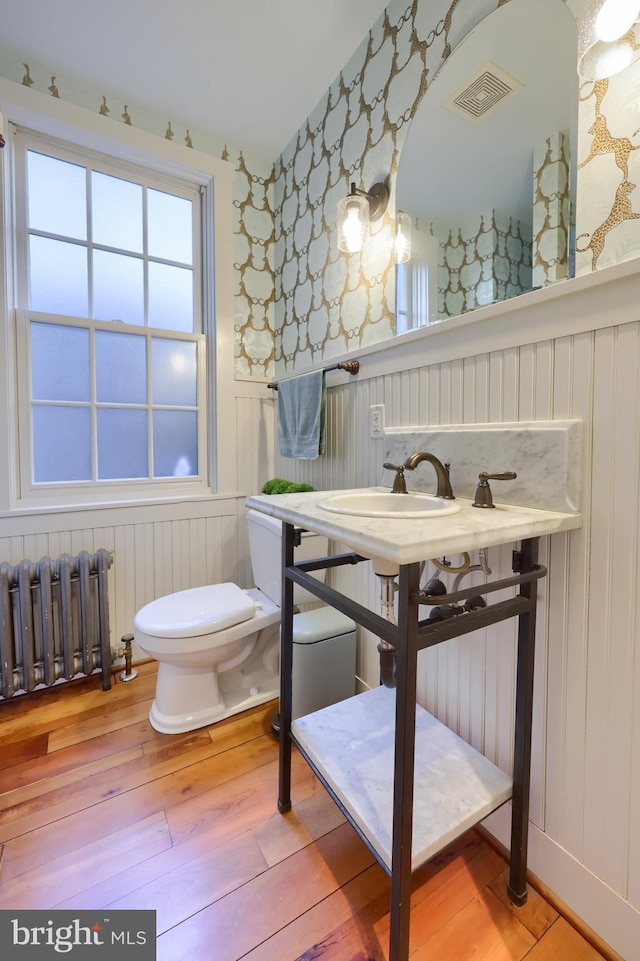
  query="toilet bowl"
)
[{"x": 218, "y": 646}]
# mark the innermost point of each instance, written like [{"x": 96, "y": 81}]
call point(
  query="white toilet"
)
[{"x": 218, "y": 646}]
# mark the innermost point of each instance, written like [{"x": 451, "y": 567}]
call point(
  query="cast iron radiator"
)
[{"x": 54, "y": 621}]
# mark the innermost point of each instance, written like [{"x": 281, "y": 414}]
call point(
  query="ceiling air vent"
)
[{"x": 482, "y": 93}]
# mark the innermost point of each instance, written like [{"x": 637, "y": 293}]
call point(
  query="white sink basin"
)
[{"x": 367, "y": 503}]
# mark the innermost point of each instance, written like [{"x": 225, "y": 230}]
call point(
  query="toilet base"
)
[
  {"x": 189, "y": 698},
  {"x": 176, "y": 724}
]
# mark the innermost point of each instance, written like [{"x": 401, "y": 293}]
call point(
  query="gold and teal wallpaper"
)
[
  {"x": 328, "y": 303},
  {"x": 551, "y": 210},
  {"x": 482, "y": 262},
  {"x": 608, "y": 186},
  {"x": 252, "y": 201},
  {"x": 298, "y": 300}
]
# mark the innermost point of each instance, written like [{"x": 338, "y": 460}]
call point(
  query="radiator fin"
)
[{"x": 54, "y": 621}]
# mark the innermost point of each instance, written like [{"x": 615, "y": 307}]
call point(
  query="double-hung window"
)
[{"x": 109, "y": 325}]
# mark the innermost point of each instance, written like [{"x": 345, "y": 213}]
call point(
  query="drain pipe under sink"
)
[{"x": 386, "y": 650}]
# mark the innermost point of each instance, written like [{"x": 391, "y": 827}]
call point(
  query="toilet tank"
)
[{"x": 265, "y": 546}]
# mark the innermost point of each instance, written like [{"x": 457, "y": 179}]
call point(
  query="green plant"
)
[{"x": 280, "y": 486}]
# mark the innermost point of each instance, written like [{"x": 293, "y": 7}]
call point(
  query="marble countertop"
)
[
  {"x": 410, "y": 540},
  {"x": 352, "y": 744}
]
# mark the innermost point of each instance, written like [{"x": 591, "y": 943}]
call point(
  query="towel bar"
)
[{"x": 351, "y": 366}]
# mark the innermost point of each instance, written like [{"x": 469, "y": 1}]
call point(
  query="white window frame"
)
[
  {"x": 417, "y": 279},
  {"x": 25, "y": 141},
  {"x": 101, "y": 489},
  {"x": 128, "y": 145}
]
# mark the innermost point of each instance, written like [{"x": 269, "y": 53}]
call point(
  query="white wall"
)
[{"x": 570, "y": 351}]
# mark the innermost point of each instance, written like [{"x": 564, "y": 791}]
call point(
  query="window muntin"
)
[
  {"x": 110, "y": 323},
  {"x": 130, "y": 402},
  {"x": 87, "y": 227}
]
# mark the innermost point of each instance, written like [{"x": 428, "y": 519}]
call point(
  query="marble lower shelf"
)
[{"x": 351, "y": 745}]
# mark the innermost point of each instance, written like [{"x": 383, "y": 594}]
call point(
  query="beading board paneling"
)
[{"x": 586, "y": 746}]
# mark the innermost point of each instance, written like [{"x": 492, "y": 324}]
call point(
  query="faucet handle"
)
[
  {"x": 483, "y": 496},
  {"x": 399, "y": 483}
]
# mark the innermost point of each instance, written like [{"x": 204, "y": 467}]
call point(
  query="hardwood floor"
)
[{"x": 97, "y": 810}]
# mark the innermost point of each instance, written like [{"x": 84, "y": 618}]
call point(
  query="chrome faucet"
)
[{"x": 442, "y": 472}]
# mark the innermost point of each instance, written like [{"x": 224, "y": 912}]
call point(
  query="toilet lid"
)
[{"x": 199, "y": 610}]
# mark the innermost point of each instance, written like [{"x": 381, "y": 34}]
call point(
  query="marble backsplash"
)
[{"x": 546, "y": 456}]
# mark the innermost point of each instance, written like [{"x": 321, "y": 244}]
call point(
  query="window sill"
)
[{"x": 23, "y": 509}]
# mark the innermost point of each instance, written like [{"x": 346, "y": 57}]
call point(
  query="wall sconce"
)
[
  {"x": 607, "y": 42},
  {"x": 356, "y": 212},
  {"x": 402, "y": 240}
]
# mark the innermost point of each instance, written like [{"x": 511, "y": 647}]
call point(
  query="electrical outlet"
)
[{"x": 376, "y": 420}]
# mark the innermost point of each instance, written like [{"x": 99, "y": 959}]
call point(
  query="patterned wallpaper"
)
[
  {"x": 608, "y": 188},
  {"x": 482, "y": 263},
  {"x": 298, "y": 300},
  {"x": 551, "y": 211},
  {"x": 328, "y": 303},
  {"x": 253, "y": 204}
]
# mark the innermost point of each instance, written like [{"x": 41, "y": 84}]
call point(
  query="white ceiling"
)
[{"x": 247, "y": 71}]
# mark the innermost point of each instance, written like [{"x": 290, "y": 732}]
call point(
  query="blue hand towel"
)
[{"x": 301, "y": 413}]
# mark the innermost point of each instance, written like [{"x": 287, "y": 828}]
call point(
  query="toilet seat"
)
[{"x": 196, "y": 611}]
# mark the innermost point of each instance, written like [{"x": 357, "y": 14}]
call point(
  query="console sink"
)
[
  {"x": 368, "y": 503},
  {"x": 390, "y": 537}
]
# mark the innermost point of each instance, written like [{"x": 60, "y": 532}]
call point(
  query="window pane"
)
[
  {"x": 58, "y": 277},
  {"x": 116, "y": 212},
  {"x": 57, "y": 196},
  {"x": 175, "y": 443},
  {"x": 173, "y": 372},
  {"x": 59, "y": 362},
  {"x": 170, "y": 227},
  {"x": 122, "y": 444},
  {"x": 109, "y": 278},
  {"x": 121, "y": 368},
  {"x": 171, "y": 297},
  {"x": 61, "y": 444},
  {"x": 118, "y": 287}
]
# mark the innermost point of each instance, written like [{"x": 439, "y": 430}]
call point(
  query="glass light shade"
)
[
  {"x": 403, "y": 237},
  {"x": 615, "y": 18},
  {"x": 608, "y": 38},
  {"x": 353, "y": 223}
]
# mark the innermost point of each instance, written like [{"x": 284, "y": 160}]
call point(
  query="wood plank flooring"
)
[{"x": 97, "y": 810}]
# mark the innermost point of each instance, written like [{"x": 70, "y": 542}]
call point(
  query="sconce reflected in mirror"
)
[
  {"x": 355, "y": 214},
  {"x": 607, "y": 40},
  {"x": 402, "y": 239}
]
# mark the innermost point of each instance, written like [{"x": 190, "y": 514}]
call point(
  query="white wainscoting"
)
[
  {"x": 586, "y": 745},
  {"x": 166, "y": 546},
  {"x": 569, "y": 352},
  {"x": 157, "y": 549}
]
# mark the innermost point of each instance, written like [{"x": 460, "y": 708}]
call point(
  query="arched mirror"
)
[{"x": 486, "y": 170}]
